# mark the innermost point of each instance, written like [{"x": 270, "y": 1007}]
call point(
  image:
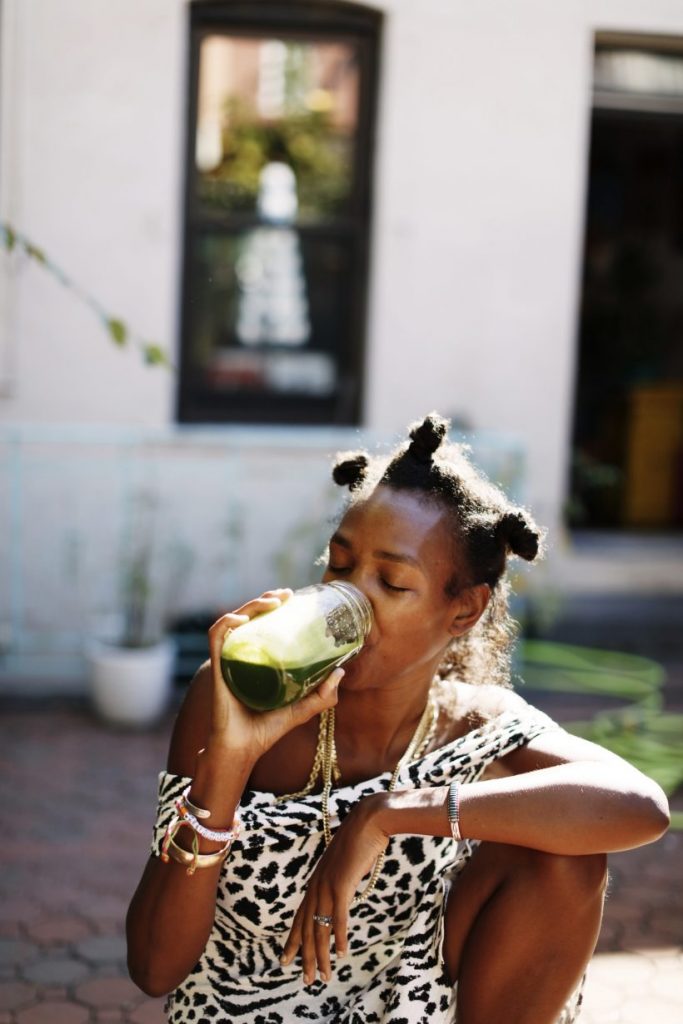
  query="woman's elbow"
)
[
  {"x": 148, "y": 983},
  {"x": 654, "y": 814}
]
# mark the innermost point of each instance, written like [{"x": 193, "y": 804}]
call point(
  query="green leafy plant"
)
[
  {"x": 317, "y": 154},
  {"x": 119, "y": 332}
]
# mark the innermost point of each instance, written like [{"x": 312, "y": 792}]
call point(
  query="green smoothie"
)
[{"x": 278, "y": 657}]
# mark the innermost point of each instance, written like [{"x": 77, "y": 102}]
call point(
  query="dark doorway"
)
[{"x": 627, "y": 469}]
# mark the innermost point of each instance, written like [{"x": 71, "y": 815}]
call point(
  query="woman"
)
[{"x": 430, "y": 748}]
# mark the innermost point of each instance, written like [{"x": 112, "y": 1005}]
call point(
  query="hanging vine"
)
[{"x": 118, "y": 330}]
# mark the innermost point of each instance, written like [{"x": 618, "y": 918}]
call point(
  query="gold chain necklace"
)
[{"x": 325, "y": 763}]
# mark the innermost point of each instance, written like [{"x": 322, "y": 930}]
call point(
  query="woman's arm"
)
[
  {"x": 566, "y": 796},
  {"x": 171, "y": 915},
  {"x": 217, "y": 742}
]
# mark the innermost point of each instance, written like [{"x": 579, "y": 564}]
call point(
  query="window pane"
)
[
  {"x": 266, "y": 101},
  {"x": 636, "y": 71},
  {"x": 269, "y": 314}
]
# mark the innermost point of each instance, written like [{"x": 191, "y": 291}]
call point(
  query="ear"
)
[{"x": 470, "y": 605}]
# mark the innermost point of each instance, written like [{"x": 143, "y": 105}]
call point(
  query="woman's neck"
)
[{"x": 380, "y": 720}]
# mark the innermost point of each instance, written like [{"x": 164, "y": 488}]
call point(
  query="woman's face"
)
[{"x": 395, "y": 547}]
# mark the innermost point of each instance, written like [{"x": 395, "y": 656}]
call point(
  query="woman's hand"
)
[
  {"x": 238, "y": 728},
  {"x": 355, "y": 847}
]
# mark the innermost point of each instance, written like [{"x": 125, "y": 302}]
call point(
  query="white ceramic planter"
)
[{"x": 130, "y": 686}]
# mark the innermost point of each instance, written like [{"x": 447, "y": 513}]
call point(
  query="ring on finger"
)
[{"x": 323, "y": 919}]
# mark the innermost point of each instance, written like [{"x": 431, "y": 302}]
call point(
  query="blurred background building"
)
[{"x": 330, "y": 218}]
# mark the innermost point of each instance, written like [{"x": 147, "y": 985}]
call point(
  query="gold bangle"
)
[{"x": 197, "y": 860}]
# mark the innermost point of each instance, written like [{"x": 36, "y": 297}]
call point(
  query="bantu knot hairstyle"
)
[
  {"x": 350, "y": 469},
  {"x": 485, "y": 527},
  {"x": 426, "y": 437},
  {"x": 521, "y": 536}
]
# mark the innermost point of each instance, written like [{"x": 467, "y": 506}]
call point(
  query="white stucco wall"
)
[{"x": 479, "y": 204}]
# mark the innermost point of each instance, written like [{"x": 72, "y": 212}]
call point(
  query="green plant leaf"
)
[
  {"x": 37, "y": 254},
  {"x": 10, "y": 237},
  {"x": 118, "y": 331},
  {"x": 155, "y": 355}
]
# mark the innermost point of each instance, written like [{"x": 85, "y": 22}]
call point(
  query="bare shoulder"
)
[
  {"x": 482, "y": 703},
  {"x": 477, "y": 705},
  {"x": 191, "y": 729}
]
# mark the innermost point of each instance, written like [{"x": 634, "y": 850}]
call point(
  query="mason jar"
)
[{"x": 278, "y": 657}]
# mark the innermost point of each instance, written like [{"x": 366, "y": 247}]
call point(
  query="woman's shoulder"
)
[{"x": 468, "y": 707}]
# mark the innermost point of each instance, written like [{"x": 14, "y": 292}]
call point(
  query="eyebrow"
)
[{"x": 390, "y": 556}]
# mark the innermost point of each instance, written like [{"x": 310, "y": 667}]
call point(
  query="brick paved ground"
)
[{"x": 79, "y": 800}]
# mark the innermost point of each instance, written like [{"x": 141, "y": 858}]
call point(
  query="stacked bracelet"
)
[
  {"x": 194, "y": 859},
  {"x": 187, "y": 814},
  {"x": 454, "y": 810},
  {"x": 198, "y": 812},
  {"x": 223, "y": 836}
]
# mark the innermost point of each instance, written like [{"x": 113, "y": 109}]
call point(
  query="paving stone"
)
[
  {"x": 8, "y": 972},
  {"x": 102, "y": 948},
  {"x": 18, "y": 911},
  {"x": 14, "y": 994},
  {"x": 56, "y": 971},
  {"x": 115, "y": 992},
  {"x": 104, "y": 925},
  {"x": 149, "y": 1012},
  {"x": 54, "y": 1013},
  {"x": 109, "y": 1016},
  {"x": 54, "y": 992},
  {"x": 16, "y": 951},
  {"x": 59, "y": 930}
]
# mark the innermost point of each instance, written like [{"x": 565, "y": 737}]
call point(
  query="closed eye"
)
[
  {"x": 338, "y": 569},
  {"x": 390, "y": 586}
]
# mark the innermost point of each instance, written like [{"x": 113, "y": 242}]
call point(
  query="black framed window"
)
[{"x": 277, "y": 210}]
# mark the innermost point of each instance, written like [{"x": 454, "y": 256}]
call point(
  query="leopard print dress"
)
[{"x": 394, "y": 972}]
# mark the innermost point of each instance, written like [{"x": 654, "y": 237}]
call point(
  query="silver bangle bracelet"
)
[{"x": 453, "y": 805}]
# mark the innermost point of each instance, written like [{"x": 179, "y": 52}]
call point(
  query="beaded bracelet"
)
[{"x": 217, "y": 836}]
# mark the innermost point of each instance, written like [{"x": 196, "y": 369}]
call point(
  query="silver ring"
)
[{"x": 324, "y": 919}]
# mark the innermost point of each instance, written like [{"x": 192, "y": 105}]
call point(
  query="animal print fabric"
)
[{"x": 393, "y": 972}]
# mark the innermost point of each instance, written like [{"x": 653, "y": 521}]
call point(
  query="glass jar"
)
[{"x": 280, "y": 656}]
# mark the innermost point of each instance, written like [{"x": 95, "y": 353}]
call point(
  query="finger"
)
[
  {"x": 267, "y": 602},
  {"x": 321, "y": 935},
  {"x": 308, "y": 953},
  {"x": 218, "y": 632},
  {"x": 340, "y": 926},
  {"x": 325, "y": 696},
  {"x": 293, "y": 943}
]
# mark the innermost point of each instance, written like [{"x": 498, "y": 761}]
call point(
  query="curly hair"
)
[{"x": 485, "y": 526}]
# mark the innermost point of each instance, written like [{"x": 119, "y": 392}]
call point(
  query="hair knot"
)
[
  {"x": 426, "y": 437},
  {"x": 521, "y": 537},
  {"x": 350, "y": 469}
]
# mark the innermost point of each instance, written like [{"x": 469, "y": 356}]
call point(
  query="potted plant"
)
[{"x": 131, "y": 662}]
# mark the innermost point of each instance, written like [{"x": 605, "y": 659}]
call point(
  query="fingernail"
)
[{"x": 341, "y": 953}]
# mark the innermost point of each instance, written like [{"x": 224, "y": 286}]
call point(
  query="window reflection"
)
[
  {"x": 272, "y": 100},
  {"x": 272, "y": 303}
]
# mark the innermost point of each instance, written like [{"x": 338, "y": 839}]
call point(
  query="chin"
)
[{"x": 358, "y": 674}]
